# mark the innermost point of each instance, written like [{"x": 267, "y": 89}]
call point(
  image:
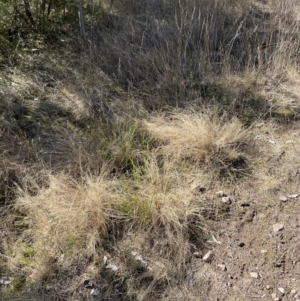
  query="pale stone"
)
[
  {"x": 221, "y": 193},
  {"x": 281, "y": 289},
  {"x": 134, "y": 253},
  {"x": 283, "y": 198},
  {"x": 208, "y": 256},
  {"x": 112, "y": 267},
  {"x": 254, "y": 275},
  {"x": 278, "y": 227},
  {"x": 197, "y": 254},
  {"x": 222, "y": 267},
  {"x": 95, "y": 291},
  {"x": 293, "y": 196},
  {"x": 6, "y": 280},
  {"x": 264, "y": 251},
  {"x": 226, "y": 200},
  {"x": 105, "y": 259}
]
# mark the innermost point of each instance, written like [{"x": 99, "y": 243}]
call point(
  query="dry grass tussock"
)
[
  {"x": 65, "y": 218},
  {"x": 199, "y": 137}
]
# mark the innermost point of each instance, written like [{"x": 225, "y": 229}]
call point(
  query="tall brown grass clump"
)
[
  {"x": 66, "y": 219},
  {"x": 200, "y": 137}
]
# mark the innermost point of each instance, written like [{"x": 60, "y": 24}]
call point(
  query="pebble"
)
[
  {"x": 222, "y": 267},
  {"x": 226, "y": 200},
  {"x": 283, "y": 198},
  {"x": 112, "y": 267},
  {"x": 272, "y": 141},
  {"x": 263, "y": 251},
  {"x": 293, "y": 196},
  {"x": 281, "y": 289},
  {"x": 197, "y": 254},
  {"x": 95, "y": 291},
  {"x": 49, "y": 287},
  {"x": 278, "y": 227},
  {"x": 274, "y": 297},
  {"x": 6, "y": 280},
  {"x": 221, "y": 194},
  {"x": 208, "y": 256},
  {"x": 254, "y": 275},
  {"x": 140, "y": 259},
  {"x": 105, "y": 259},
  {"x": 293, "y": 292}
]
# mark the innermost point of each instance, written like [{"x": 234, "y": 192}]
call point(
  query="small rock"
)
[
  {"x": 278, "y": 227},
  {"x": 140, "y": 259},
  {"x": 229, "y": 284},
  {"x": 221, "y": 194},
  {"x": 49, "y": 287},
  {"x": 226, "y": 200},
  {"x": 208, "y": 256},
  {"x": 254, "y": 275},
  {"x": 272, "y": 142},
  {"x": 274, "y": 297},
  {"x": 6, "y": 280},
  {"x": 241, "y": 244},
  {"x": 222, "y": 267},
  {"x": 293, "y": 292},
  {"x": 293, "y": 196},
  {"x": 281, "y": 289},
  {"x": 197, "y": 254},
  {"x": 95, "y": 291},
  {"x": 283, "y": 198},
  {"x": 268, "y": 287},
  {"x": 112, "y": 267},
  {"x": 105, "y": 260},
  {"x": 264, "y": 251}
]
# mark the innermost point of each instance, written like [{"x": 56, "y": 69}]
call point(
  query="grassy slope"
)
[{"x": 122, "y": 146}]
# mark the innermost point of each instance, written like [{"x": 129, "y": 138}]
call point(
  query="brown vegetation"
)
[{"x": 115, "y": 148}]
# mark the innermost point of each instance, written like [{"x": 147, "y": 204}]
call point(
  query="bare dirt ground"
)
[{"x": 252, "y": 261}]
